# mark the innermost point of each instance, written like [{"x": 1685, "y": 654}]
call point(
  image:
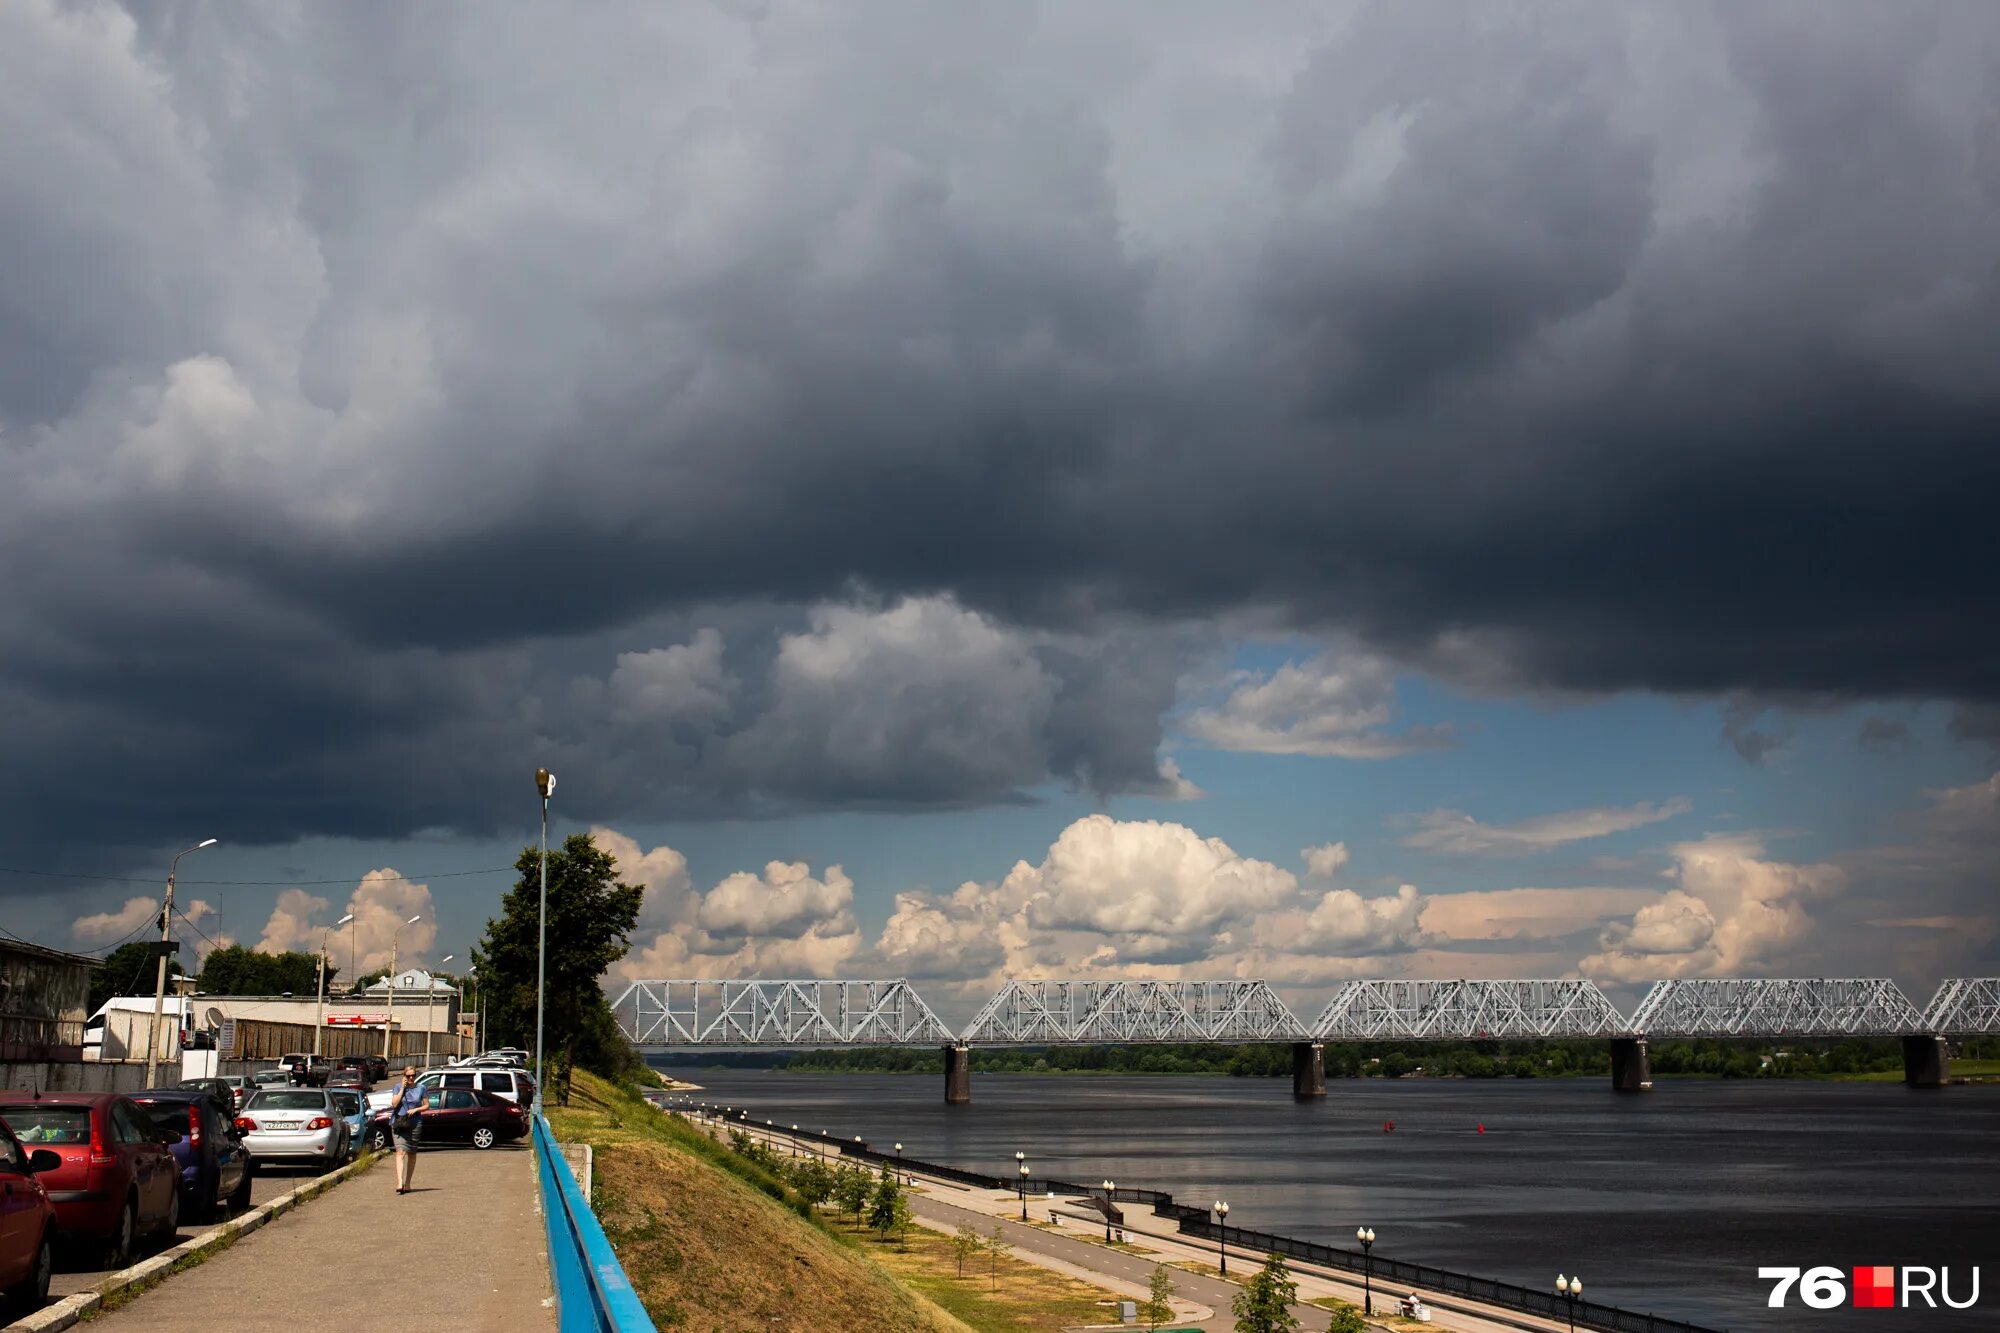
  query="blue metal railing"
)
[{"x": 593, "y": 1295}]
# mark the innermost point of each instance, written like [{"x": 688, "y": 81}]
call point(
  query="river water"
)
[{"x": 1666, "y": 1202}]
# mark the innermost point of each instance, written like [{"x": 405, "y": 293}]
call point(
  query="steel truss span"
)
[
  {"x": 777, "y": 1013},
  {"x": 1467, "y": 1011},
  {"x": 1778, "y": 1007},
  {"x": 1045, "y": 1013},
  {"x": 1965, "y": 1007}
]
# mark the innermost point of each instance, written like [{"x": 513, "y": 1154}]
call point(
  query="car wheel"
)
[
  {"x": 171, "y": 1223},
  {"x": 378, "y": 1139},
  {"x": 484, "y": 1137},
  {"x": 118, "y": 1251},
  {"x": 33, "y": 1290},
  {"x": 239, "y": 1199}
]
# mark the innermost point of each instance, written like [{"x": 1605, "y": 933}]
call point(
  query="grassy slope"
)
[{"x": 711, "y": 1243}]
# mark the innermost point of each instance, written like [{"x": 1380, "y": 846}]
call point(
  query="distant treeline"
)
[{"x": 1498, "y": 1059}]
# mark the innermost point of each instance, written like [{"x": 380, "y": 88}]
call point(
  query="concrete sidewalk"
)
[{"x": 464, "y": 1250}]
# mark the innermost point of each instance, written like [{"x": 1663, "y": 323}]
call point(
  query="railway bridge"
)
[{"x": 689, "y": 1013}]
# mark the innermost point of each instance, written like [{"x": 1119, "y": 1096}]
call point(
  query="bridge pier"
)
[
  {"x": 957, "y": 1075},
  {"x": 1926, "y": 1062},
  {"x": 1308, "y": 1069},
  {"x": 1631, "y": 1067}
]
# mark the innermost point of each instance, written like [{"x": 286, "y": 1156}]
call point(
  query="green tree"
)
[
  {"x": 1346, "y": 1319},
  {"x": 591, "y": 916},
  {"x": 850, "y": 1190},
  {"x": 964, "y": 1247},
  {"x": 1158, "y": 1306},
  {"x": 813, "y": 1180},
  {"x": 888, "y": 1210},
  {"x": 1265, "y": 1303},
  {"x": 235, "y": 970},
  {"x": 997, "y": 1249},
  {"x": 129, "y": 969}
]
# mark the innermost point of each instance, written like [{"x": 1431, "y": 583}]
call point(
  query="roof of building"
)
[{"x": 42, "y": 951}]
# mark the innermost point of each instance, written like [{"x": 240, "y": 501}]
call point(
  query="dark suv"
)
[
  {"x": 373, "y": 1067},
  {"x": 214, "y": 1164}
]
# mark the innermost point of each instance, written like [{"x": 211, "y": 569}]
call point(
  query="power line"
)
[{"x": 248, "y": 883}]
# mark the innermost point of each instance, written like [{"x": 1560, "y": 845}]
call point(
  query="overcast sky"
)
[{"x": 986, "y": 489}]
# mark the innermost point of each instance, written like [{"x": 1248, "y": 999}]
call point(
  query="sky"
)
[{"x": 1297, "y": 491}]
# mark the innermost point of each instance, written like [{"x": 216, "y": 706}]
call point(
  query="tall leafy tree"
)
[
  {"x": 591, "y": 916},
  {"x": 129, "y": 969},
  {"x": 1265, "y": 1303},
  {"x": 1158, "y": 1307}
]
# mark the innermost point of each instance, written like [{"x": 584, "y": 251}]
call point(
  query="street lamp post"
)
[
  {"x": 160, "y": 982},
  {"x": 899, "y": 1164},
  {"x": 1108, "y": 1187},
  {"x": 795, "y": 1140},
  {"x": 389, "y": 1017},
  {"x": 430, "y": 1006},
  {"x": 545, "y": 783},
  {"x": 1366, "y": 1235},
  {"x": 1024, "y": 1191},
  {"x": 1569, "y": 1288},
  {"x": 1222, "y": 1234},
  {"x": 319, "y": 1018}
]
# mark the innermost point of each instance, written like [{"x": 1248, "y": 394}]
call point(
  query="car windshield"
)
[
  {"x": 37, "y": 1123},
  {"x": 348, "y": 1102},
  {"x": 287, "y": 1101}
]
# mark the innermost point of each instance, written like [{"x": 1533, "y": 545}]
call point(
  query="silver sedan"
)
[{"x": 294, "y": 1125}]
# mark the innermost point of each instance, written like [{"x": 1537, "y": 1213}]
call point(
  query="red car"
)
[
  {"x": 117, "y": 1179},
  {"x": 459, "y": 1115},
  {"x": 27, "y": 1224}
]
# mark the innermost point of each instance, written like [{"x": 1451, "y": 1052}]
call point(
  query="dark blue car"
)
[{"x": 214, "y": 1164}]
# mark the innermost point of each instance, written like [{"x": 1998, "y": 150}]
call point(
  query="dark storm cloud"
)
[{"x": 375, "y": 379}]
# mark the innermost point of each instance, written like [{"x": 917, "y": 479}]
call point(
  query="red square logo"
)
[{"x": 1875, "y": 1288}]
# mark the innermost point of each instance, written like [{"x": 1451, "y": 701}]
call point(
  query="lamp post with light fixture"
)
[
  {"x": 1108, "y": 1188},
  {"x": 1024, "y": 1191},
  {"x": 319, "y": 1017},
  {"x": 1221, "y": 1233},
  {"x": 545, "y": 783},
  {"x": 1569, "y": 1288},
  {"x": 160, "y": 984},
  {"x": 389, "y": 1018},
  {"x": 1366, "y": 1235},
  {"x": 430, "y": 1005}
]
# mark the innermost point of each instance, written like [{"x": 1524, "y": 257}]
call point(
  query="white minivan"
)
[{"x": 513, "y": 1084}]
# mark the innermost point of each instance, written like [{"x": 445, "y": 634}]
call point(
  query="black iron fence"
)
[{"x": 1199, "y": 1223}]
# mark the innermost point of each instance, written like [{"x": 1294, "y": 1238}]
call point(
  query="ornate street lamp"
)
[
  {"x": 1024, "y": 1191},
  {"x": 1108, "y": 1187},
  {"x": 1569, "y": 1288},
  {"x": 1366, "y": 1235},
  {"x": 1221, "y": 1235}
]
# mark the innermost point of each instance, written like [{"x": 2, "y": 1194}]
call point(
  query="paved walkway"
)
[{"x": 463, "y": 1250}]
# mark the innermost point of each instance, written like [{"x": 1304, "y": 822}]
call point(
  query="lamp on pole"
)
[
  {"x": 389, "y": 1018},
  {"x": 1569, "y": 1288},
  {"x": 1024, "y": 1191},
  {"x": 430, "y": 1006},
  {"x": 545, "y": 783},
  {"x": 160, "y": 982},
  {"x": 1221, "y": 1235},
  {"x": 1108, "y": 1187},
  {"x": 319, "y": 1018},
  {"x": 1366, "y": 1235},
  {"x": 899, "y": 1161}
]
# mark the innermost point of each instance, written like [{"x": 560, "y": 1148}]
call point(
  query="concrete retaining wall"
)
[{"x": 74, "y": 1075}]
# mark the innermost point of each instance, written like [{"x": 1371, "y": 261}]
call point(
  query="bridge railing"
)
[{"x": 592, "y": 1292}]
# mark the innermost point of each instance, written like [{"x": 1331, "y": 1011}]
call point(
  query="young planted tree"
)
[
  {"x": 997, "y": 1249},
  {"x": 1346, "y": 1319},
  {"x": 1158, "y": 1307},
  {"x": 591, "y": 917},
  {"x": 1265, "y": 1303},
  {"x": 813, "y": 1181},
  {"x": 964, "y": 1247},
  {"x": 851, "y": 1190},
  {"x": 888, "y": 1210}
]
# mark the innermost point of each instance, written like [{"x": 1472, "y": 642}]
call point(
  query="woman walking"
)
[{"x": 405, "y": 1126}]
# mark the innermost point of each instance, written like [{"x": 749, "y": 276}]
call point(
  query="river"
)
[{"x": 1666, "y": 1202}]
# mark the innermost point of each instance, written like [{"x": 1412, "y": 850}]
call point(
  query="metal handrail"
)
[{"x": 593, "y": 1295}]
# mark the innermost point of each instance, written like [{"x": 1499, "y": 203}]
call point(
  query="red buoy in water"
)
[{"x": 1482, "y": 1127}]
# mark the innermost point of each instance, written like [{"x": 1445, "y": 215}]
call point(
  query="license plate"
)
[{"x": 283, "y": 1124}]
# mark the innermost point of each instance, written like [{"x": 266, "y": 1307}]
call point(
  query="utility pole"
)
[
  {"x": 389, "y": 1017},
  {"x": 160, "y": 981},
  {"x": 545, "y": 783}
]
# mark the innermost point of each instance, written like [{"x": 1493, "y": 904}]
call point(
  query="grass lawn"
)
[{"x": 1015, "y": 1297}]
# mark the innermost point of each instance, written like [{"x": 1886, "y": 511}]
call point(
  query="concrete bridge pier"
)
[
  {"x": 1631, "y": 1067},
  {"x": 957, "y": 1075},
  {"x": 1926, "y": 1062},
  {"x": 1308, "y": 1069}
]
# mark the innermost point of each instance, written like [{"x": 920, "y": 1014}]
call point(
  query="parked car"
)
[
  {"x": 239, "y": 1086},
  {"x": 353, "y": 1104},
  {"x": 307, "y": 1071},
  {"x": 374, "y": 1068},
  {"x": 269, "y": 1078},
  {"x": 502, "y": 1081},
  {"x": 214, "y": 1164},
  {"x": 293, "y": 1125},
  {"x": 27, "y": 1224},
  {"x": 518, "y": 1059},
  {"x": 117, "y": 1180},
  {"x": 218, "y": 1088},
  {"x": 459, "y": 1115},
  {"x": 348, "y": 1078}
]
